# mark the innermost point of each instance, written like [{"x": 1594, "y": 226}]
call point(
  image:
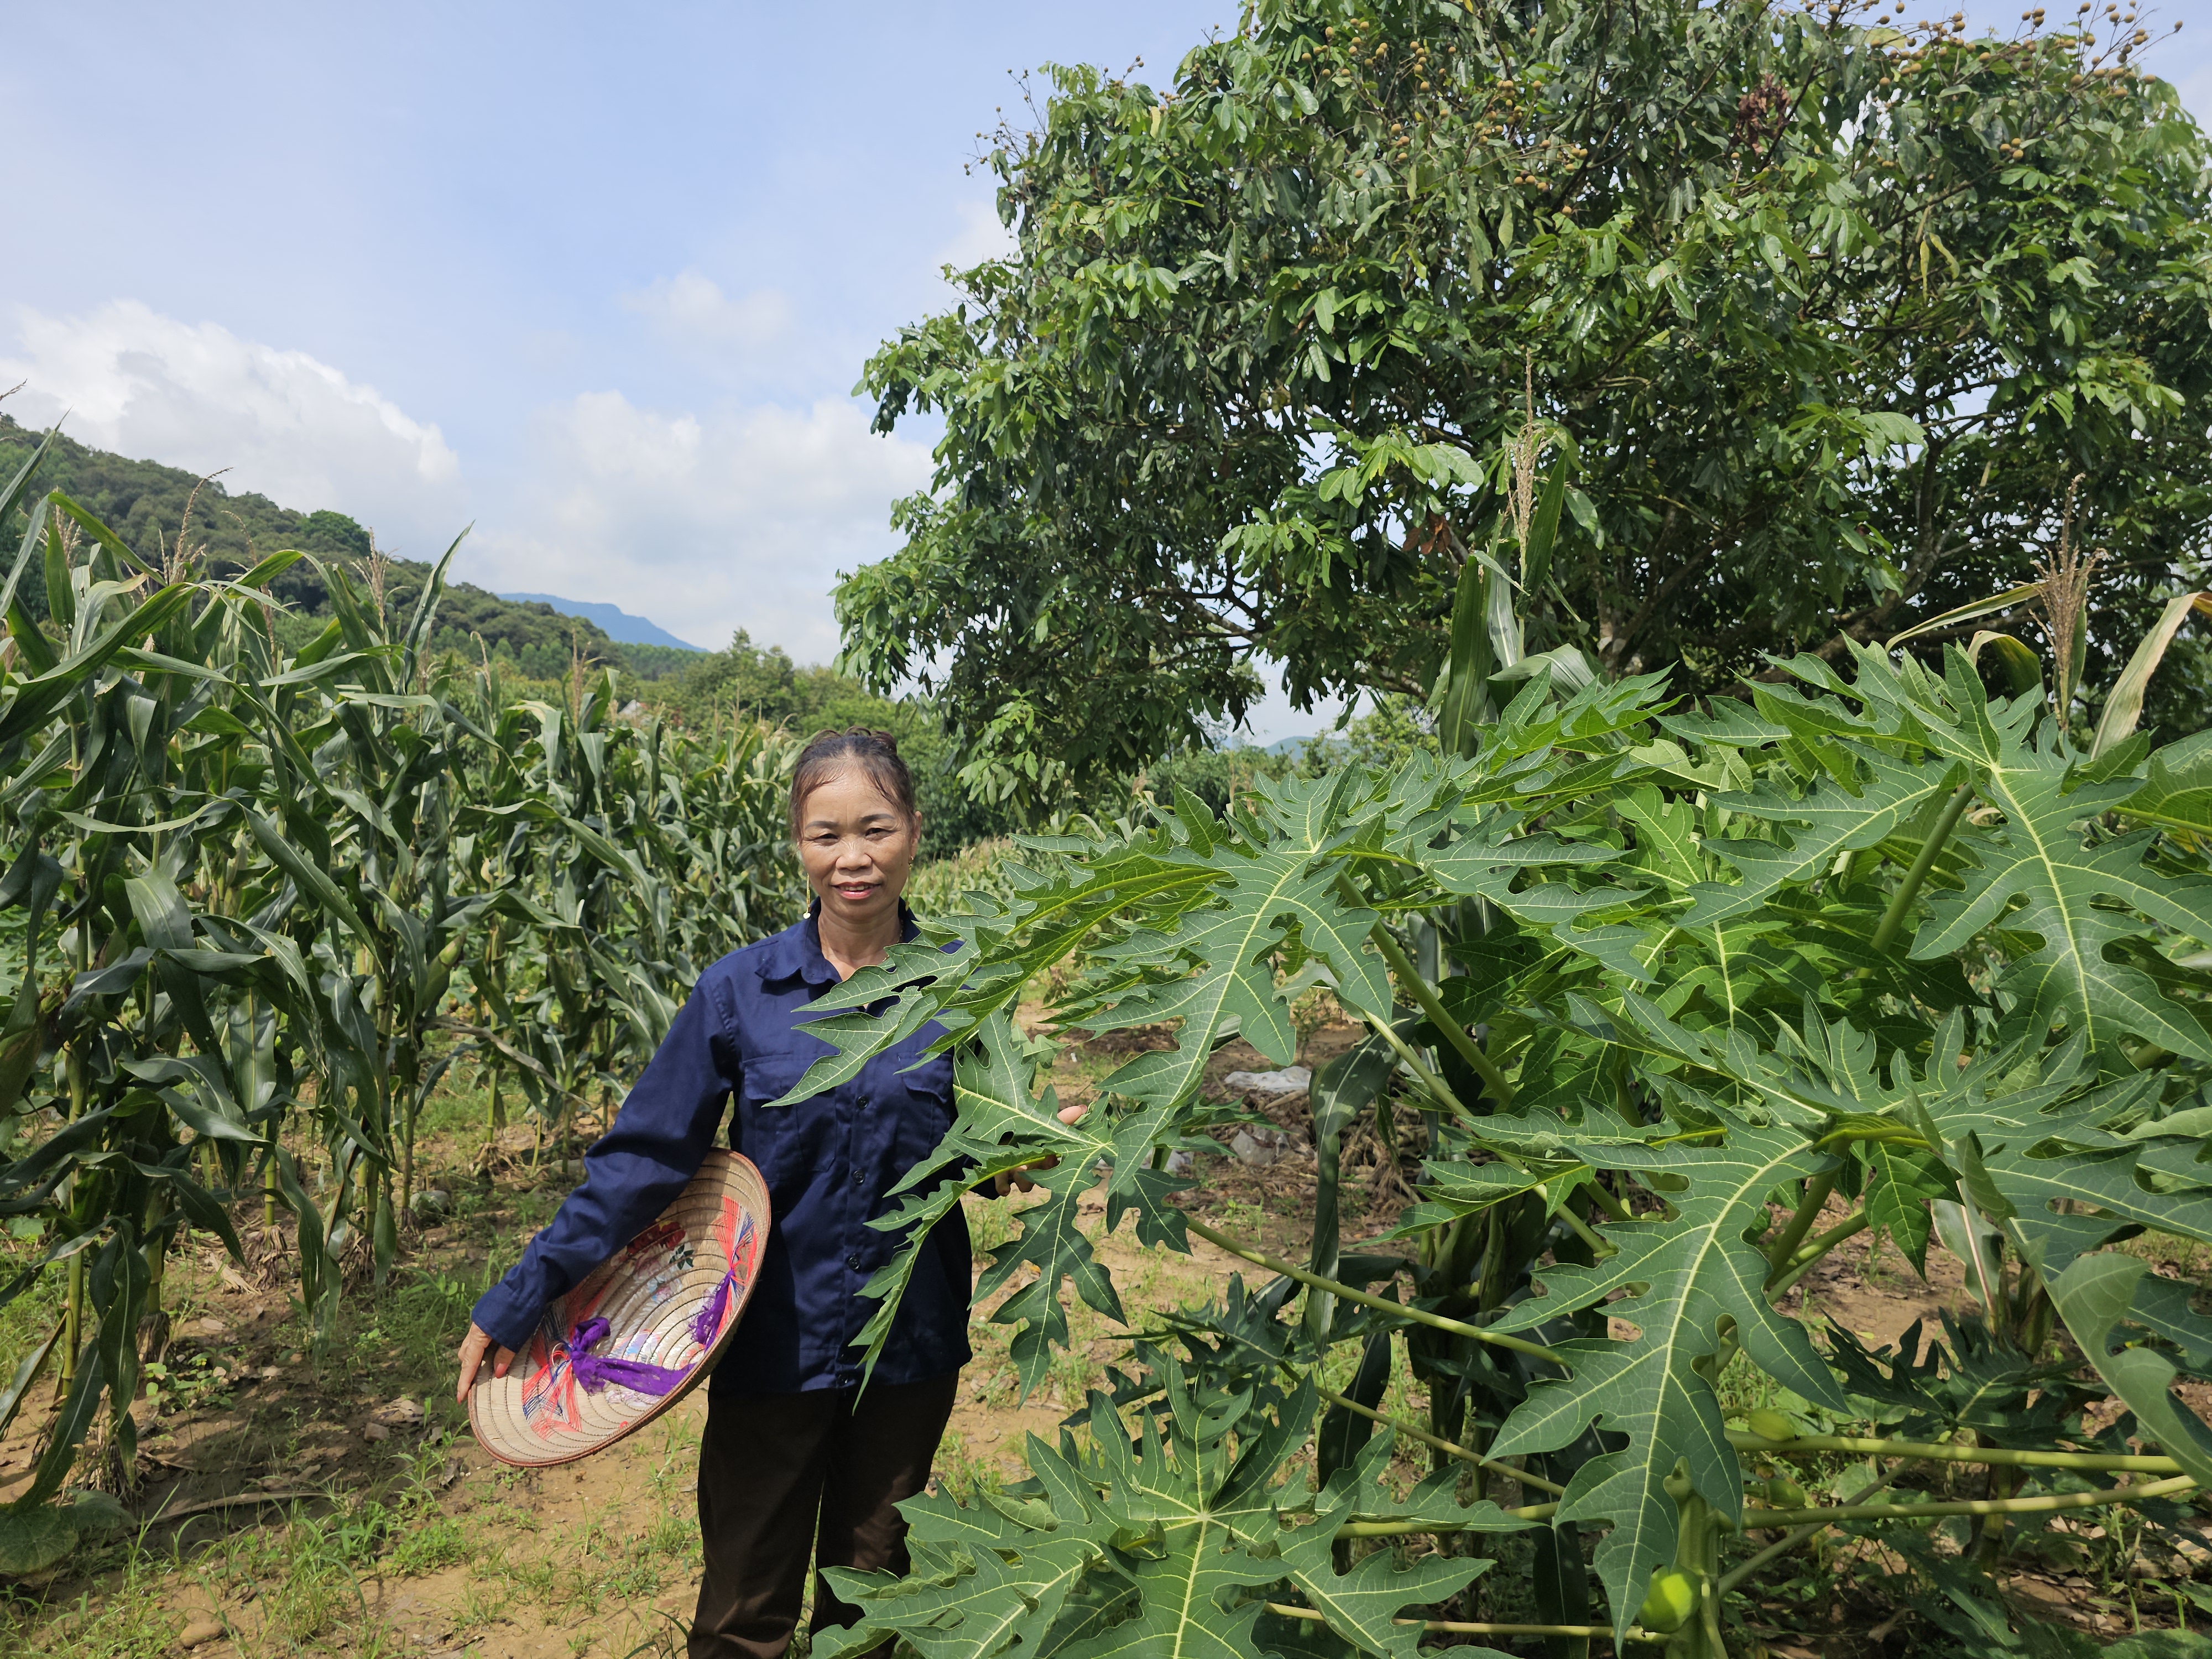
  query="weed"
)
[
  {"x": 961, "y": 1473},
  {"x": 483, "y": 1602},
  {"x": 1314, "y": 1011},
  {"x": 990, "y": 1223},
  {"x": 443, "y": 1542},
  {"x": 126, "y": 1621},
  {"x": 1239, "y": 1216}
]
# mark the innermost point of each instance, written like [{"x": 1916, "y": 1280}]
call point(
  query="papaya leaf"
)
[
  {"x": 2042, "y": 877},
  {"x": 1000, "y": 1126},
  {"x": 2094, "y": 1295},
  {"x": 1899, "y": 1183},
  {"x": 1259, "y": 895},
  {"x": 1175, "y": 1535},
  {"x": 1684, "y": 1276},
  {"x": 1884, "y": 796}
]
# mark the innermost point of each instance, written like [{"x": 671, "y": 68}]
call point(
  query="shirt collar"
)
[{"x": 796, "y": 953}]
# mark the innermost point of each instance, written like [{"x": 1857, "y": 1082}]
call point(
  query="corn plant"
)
[
  {"x": 134, "y": 795},
  {"x": 640, "y": 856},
  {"x": 250, "y": 892},
  {"x": 1716, "y": 990}
]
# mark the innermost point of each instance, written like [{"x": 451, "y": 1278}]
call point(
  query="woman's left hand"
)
[{"x": 1014, "y": 1181}]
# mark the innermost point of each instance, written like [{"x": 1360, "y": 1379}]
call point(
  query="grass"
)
[
  {"x": 960, "y": 1472},
  {"x": 318, "y": 1581},
  {"x": 297, "y": 1582},
  {"x": 25, "y": 1321},
  {"x": 1238, "y": 1218},
  {"x": 2184, "y": 1257}
]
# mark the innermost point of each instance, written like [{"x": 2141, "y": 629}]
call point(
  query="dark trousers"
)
[{"x": 785, "y": 1476}]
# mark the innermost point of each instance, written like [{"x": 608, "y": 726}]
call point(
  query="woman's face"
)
[{"x": 858, "y": 847}]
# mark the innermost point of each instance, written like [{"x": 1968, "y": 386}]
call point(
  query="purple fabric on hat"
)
[
  {"x": 595, "y": 1371},
  {"x": 708, "y": 1321}
]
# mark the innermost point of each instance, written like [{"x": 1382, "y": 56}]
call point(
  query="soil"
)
[{"x": 260, "y": 1455}]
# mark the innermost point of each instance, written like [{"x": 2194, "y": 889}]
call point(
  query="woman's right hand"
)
[
  {"x": 474, "y": 1347},
  {"x": 1013, "y": 1180}
]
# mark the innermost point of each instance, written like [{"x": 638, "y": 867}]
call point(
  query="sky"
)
[{"x": 596, "y": 282}]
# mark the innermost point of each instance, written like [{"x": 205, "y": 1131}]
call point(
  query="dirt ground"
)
[{"x": 288, "y": 1505}]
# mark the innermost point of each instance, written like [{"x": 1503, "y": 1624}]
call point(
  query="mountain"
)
[
  {"x": 148, "y": 505},
  {"x": 616, "y": 622}
]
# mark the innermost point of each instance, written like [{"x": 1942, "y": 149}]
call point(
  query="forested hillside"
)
[{"x": 146, "y": 504}]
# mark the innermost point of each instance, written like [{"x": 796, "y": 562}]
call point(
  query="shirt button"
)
[
  {"x": 866, "y": 1104},
  {"x": 853, "y": 1262}
]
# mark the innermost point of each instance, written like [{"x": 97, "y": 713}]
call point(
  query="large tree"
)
[{"x": 1822, "y": 316}]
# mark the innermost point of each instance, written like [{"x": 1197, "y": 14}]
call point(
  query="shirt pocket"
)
[
  {"x": 926, "y": 1104},
  {"x": 786, "y": 1143},
  {"x": 772, "y": 1072}
]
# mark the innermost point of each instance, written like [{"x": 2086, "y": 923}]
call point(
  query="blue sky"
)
[{"x": 599, "y": 280}]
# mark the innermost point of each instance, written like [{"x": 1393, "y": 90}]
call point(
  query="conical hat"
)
[{"x": 671, "y": 1299}]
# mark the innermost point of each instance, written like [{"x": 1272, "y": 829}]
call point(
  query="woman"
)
[{"x": 794, "y": 1456}]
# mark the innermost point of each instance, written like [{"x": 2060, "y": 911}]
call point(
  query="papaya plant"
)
[{"x": 1717, "y": 989}]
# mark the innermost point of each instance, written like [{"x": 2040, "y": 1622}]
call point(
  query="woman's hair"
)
[{"x": 828, "y": 753}]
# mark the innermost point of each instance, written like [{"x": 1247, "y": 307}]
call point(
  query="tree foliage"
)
[
  {"x": 1811, "y": 322},
  {"x": 762, "y": 683}
]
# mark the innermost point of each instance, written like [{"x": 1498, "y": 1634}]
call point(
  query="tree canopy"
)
[{"x": 1817, "y": 321}]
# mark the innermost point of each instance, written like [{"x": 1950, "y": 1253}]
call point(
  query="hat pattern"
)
[{"x": 639, "y": 1331}]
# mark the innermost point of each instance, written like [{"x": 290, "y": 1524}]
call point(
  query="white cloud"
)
[
  {"x": 691, "y": 306},
  {"x": 980, "y": 237},
  {"x": 707, "y": 522},
  {"x": 198, "y": 397},
  {"x": 704, "y": 523}
]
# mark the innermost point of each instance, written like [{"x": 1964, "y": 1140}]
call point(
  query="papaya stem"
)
[
  {"x": 1381, "y": 1304},
  {"x": 2042, "y": 1503},
  {"x": 1455, "y": 1034},
  {"x": 1450, "y": 1449},
  {"x": 1730, "y": 1580},
  {"x": 1423, "y": 1528},
  {"x": 1817, "y": 1189},
  {"x": 1436, "y": 1088},
  {"x": 1470, "y": 1627},
  {"x": 1892, "y": 920},
  {"x": 1943, "y": 1452},
  {"x": 1809, "y": 1255}
]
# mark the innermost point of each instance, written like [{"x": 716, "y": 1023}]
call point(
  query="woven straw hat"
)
[{"x": 641, "y": 1332}]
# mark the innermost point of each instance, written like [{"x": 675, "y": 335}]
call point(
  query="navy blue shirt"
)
[{"x": 829, "y": 1163}]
